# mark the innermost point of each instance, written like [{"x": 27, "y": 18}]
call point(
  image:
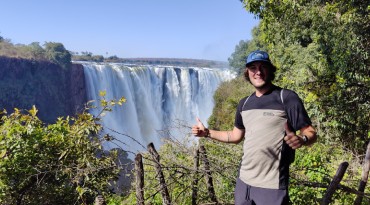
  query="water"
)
[{"x": 158, "y": 98}]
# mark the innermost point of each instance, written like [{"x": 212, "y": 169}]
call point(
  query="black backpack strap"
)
[
  {"x": 246, "y": 101},
  {"x": 281, "y": 95},
  {"x": 291, "y": 152}
]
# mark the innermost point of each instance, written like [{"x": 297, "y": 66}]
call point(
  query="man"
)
[{"x": 267, "y": 120}]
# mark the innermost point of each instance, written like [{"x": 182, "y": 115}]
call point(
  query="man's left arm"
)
[{"x": 307, "y": 136}]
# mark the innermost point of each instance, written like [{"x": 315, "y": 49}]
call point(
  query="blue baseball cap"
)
[{"x": 257, "y": 56}]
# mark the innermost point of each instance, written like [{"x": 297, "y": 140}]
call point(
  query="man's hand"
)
[
  {"x": 292, "y": 139},
  {"x": 199, "y": 130}
]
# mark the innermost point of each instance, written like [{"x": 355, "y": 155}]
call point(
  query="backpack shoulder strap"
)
[
  {"x": 246, "y": 101},
  {"x": 290, "y": 151},
  {"x": 281, "y": 95}
]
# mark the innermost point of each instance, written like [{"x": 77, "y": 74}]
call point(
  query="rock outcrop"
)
[{"x": 56, "y": 92}]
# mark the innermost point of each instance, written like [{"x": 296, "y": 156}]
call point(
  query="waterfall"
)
[{"x": 156, "y": 96}]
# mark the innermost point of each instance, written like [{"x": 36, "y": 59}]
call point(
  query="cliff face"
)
[
  {"x": 77, "y": 89},
  {"x": 54, "y": 91}
]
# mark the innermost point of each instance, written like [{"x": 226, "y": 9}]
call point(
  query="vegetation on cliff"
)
[
  {"x": 60, "y": 163},
  {"x": 54, "y": 52},
  {"x": 57, "y": 53}
]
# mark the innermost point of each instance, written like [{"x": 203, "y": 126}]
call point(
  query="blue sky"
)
[{"x": 198, "y": 29}]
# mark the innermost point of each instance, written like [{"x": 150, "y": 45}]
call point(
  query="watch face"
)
[{"x": 305, "y": 138}]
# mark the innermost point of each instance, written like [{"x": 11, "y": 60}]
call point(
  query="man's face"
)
[{"x": 259, "y": 74}]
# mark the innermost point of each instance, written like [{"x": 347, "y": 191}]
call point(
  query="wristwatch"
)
[{"x": 305, "y": 139}]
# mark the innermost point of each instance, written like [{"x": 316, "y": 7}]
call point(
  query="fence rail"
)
[{"x": 200, "y": 155}]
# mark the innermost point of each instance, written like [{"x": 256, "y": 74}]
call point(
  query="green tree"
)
[
  {"x": 36, "y": 50},
  {"x": 226, "y": 102},
  {"x": 237, "y": 58},
  {"x": 56, "y": 53},
  {"x": 322, "y": 50},
  {"x": 97, "y": 58},
  {"x": 113, "y": 58}
]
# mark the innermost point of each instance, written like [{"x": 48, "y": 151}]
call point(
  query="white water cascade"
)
[{"x": 156, "y": 96}]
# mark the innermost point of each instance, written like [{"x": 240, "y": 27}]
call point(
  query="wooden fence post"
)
[
  {"x": 139, "y": 179},
  {"x": 364, "y": 177},
  {"x": 334, "y": 183},
  {"x": 194, "y": 194},
  {"x": 211, "y": 190},
  {"x": 164, "y": 191}
]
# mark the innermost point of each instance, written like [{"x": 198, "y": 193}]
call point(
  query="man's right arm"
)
[{"x": 233, "y": 136}]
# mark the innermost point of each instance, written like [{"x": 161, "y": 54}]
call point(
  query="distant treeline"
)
[
  {"x": 57, "y": 53},
  {"x": 176, "y": 62},
  {"x": 88, "y": 56}
]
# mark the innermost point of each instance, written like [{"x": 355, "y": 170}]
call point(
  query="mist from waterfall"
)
[{"x": 157, "y": 97}]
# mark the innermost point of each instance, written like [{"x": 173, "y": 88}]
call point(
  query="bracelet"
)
[
  {"x": 208, "y": 134},
  {"x": 228, "y": 137}
]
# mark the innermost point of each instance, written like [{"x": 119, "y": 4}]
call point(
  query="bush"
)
[
  {"x": 56, "y": 53},
  {"x": 61, "y": 163}
]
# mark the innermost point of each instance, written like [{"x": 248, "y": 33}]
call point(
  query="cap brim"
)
[{"x": 259, "y": 60}]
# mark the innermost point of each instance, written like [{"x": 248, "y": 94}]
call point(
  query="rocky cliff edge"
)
[{"x": 56, "y": 92}]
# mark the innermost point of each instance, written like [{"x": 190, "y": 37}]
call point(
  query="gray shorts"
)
[{"x": 249, "y": 195}]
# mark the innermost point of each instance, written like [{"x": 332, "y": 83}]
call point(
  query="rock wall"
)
[
  {"x": 77, "y": 89},
  {"x": 55, "y": 91}
]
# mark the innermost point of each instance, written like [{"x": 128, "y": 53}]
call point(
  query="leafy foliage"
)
[
  {"x": 237, "y": 58},
  {"x": 322, "y": 50},
  {"x": 53, "y": 52},
  {"x": 223, "y": 114},
  {"x": 314, "y": 169},
  {"x": 56, "y": 53},
  {"x": 316, "y": 47},
  {"x": 87, "y": 56},
  {"x": 311, "y": 173},
  {"x": 36, "y": 50},
  {"x": 61, "y": 163},
  {"x": 177, "y": 161}
]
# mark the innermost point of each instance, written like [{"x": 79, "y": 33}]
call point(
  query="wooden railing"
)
[
  {"x": 339, "y": 175},
  {"x": 200, "y": 155}
]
